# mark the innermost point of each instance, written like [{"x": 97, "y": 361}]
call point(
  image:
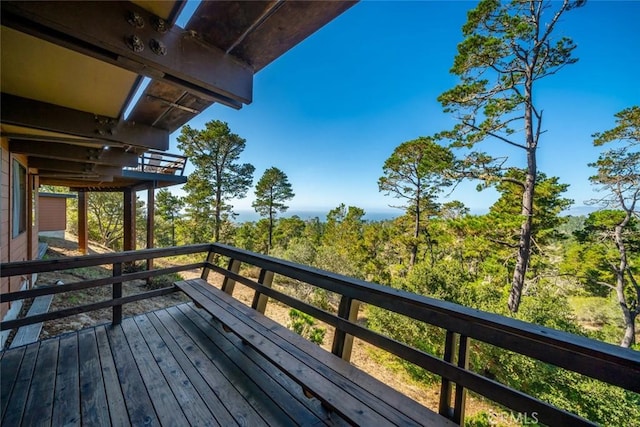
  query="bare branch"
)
[{"x": 494, "y": 135}]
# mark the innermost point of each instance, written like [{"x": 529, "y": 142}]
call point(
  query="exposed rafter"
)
[
  {"x": 39, "y": 115},
  {"x": 73, "y": 167},
  {"x": 112, "y": 156},
  {"x": 126, "y": 35},
  {"x": 64, "y": 179}
]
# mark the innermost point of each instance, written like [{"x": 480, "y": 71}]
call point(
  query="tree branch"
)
[{"x": 494, "y": 135}]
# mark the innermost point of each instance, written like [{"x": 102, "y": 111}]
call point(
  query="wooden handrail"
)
[
  {"x": 595, "y": 359},
  {"x": 87, "y": 284},
  {"x": 116, "y": 260}
]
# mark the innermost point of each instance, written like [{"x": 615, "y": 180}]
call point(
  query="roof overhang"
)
[{"x": 70, "y": 71}]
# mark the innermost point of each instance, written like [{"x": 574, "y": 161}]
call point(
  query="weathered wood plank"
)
[
  {"x": 41, "y": 266},
  {"x": 66, "y": 402},
  {"x": 264, "y": 401},
  {"x": 20, "y": 392},
  {"x": 167, "y": 407},
  {"x": 193, "y": 372},
  {"x": 39, "y": 405},
  {"x": 194, "y": 408},
  {"x": 329, "y": 417},
  {"x": 58, "y": 314},
  {"x": 29, "y": 334},
  {"x": 338, "y": 393},
  {"x": 615, "y": 365},
  {"x": 86, "y": 284},
  {"x": 288, "y": 396},
  {"x": 136, "y": 398},
  {"x": 93, "y": 399},
  {"x": 242, "y": 412},
  {"x": 9, "y": 366}
]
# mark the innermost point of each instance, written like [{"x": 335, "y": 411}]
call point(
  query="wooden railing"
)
[
  {"x": 153, "y": 161},
  {"x": 116, "y": 260},
  {"x": 594, "y": 359}
]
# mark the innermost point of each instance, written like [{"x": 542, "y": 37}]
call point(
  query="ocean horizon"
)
[
  {"x": 244, "y": 215},
  {"x": 253, "y": 216}
]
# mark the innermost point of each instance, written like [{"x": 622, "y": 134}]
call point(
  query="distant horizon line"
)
[{"x": 250, "y": 215}]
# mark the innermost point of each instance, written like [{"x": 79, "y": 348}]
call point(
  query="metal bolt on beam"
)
[
  {"x": 135, "y": 43},
  {"x": 158, "y": 47},
  {"x": 135, "y": 19},
  {"x": 160, "y": 25}
]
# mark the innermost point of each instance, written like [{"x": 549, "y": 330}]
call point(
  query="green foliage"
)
[
  {"x": 417, "y": 171},
  {"x": 304, "y": 325},
  {"x": 480, "y": 419},
  {"x": 218, "y": 176},
  {"x": 507, "y": 48},
  {"x": 627, "y": 128},
  {"x": 272, "y": 190},
  {"x": 163, "y": 281},
  {"x": 168, "y": 207},
  {"x": 105, "y": 219},
  {"x": 615, "y": 231}
]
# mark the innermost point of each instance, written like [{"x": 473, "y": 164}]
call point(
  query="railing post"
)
[
  {"x": 211, "y": 257},
  {"x": 259, "y": 300},
  {"x": 343, "y": 342},
  {"x": 117, "y": 293},
  {"x": 461, "y": 392},
  {"x": 228, "y": 284},
  {"x": 446, "y": 387},
  {"x": 455, "y": 414}
]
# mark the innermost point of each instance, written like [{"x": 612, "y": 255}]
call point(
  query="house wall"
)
[
  {"x": 25, "y": 245},
  {"x": 53, "y": 213},
  {"x": 4, "y": 216}
]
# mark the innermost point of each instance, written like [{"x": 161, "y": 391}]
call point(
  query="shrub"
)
[{"x": 304, "y": 325}]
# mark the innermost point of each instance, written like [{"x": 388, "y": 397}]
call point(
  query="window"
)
[{"x": 19, "y": 208}]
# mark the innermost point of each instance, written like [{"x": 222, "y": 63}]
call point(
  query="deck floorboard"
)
[
  {"x": 94, "y": 402},
  {"x": 66, "y": 404},
  {"x": 169, "y": 367}
]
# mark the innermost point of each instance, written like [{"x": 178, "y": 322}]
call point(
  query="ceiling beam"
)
[
  {"x": 40, "y": 115},
  {"x": 113, "y": 156},
  {"x": 108, "y": 31},
  {"x": 73, "y": 167},
  {"x": 66, "y": 180}
]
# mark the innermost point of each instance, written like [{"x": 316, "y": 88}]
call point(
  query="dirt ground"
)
[{"x": 364, "y": 356}]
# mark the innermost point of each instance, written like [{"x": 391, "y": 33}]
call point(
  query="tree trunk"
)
[
  {"x": 270, "y": 231},
  {"x": 416, "y": 234},
  {"x": 629, "y": 314},
  {"x": 524, "y": 244},
  {"x": 218, "y": 208}
]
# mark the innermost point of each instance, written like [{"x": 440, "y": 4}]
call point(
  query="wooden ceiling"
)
[{"x": 71, "y": 69}]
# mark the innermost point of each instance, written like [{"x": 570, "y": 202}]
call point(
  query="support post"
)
[
  {"x": 117, "y": 293},
  {"x": 343, "y": 342},
  {"x": 461, "y": 392},
  {"x": 211, "y": 258},
  {"x": 259, "y": 300},
  {"x": 151, "y": 213},
  {"x": 446, "y": 387},
  {"x": 228, "y": 284},
  {"x": 83, "y": 229},
  {"x": 129, "y": 220}
]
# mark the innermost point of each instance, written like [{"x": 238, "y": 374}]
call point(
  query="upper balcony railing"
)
[
  {"x": 597, "y": 360},
  {"x": 160, "y": 162}
]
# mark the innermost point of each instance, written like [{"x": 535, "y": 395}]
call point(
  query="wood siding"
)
[
  {"x": 18, "y": 248},
  {"x": 53, "y": 213},
  {"x": 4, "y": 217}
]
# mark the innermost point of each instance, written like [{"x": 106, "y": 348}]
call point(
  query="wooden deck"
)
[{"x": 174, "y": 366}]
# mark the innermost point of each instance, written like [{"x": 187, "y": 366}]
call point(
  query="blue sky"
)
[{"x": 331, "y": 110}]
